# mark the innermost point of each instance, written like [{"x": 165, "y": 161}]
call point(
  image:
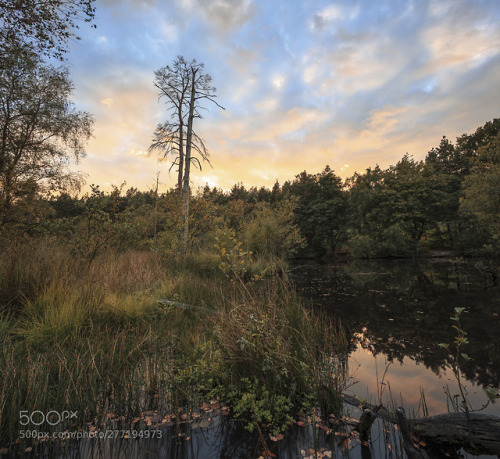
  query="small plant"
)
[
  {"x": 457, "y": 358},
  {"x": 234, "y": 262},
  {"x": 460, "y": 401}
]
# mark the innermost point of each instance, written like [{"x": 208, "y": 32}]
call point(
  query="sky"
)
[{"x": 304, "y": 83}]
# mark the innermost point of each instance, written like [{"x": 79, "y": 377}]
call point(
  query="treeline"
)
[{"x": 450, "y": 200}]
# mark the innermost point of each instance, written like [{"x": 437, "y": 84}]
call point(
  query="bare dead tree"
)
[{"x": 184, "y": 88}]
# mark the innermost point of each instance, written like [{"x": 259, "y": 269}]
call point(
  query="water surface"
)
[{"x": 396, "y": 312}]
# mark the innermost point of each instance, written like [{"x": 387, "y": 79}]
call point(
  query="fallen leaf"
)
[{"x": 346, "y": 443}]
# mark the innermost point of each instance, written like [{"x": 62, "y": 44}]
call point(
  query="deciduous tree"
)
[
  {"x": 39, "y": 127},
  {"x": 482, "y": 190},
  {"x": 45, "y": 25}
]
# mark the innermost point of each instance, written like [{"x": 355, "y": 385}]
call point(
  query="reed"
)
[{"x": 93, "y": 338}]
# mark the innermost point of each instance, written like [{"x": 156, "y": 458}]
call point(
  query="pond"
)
[{"x": 395, "y": 313}]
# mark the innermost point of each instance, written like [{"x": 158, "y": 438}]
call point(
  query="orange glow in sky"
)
[{"x": 305, "y": 84}]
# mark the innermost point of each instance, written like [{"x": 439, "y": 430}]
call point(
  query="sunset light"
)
[{"x": 304, "y": 84}]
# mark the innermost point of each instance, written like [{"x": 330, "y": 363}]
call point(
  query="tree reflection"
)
[{"x": 402, "y": 308}]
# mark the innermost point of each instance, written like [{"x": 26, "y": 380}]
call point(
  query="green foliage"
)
[
  {"x": 47, "y": 28},
  {"x": 481, "y": 199},
  {"x": 40, "y": 129},
  {"x": 457, "y": 358},
  {"x": 96, "y": 341},
  {"x": 362, "y": 246},
  {"x": 253, "y": 402},
  {"x": 233, "y": 260},
  {"x": 321, "y": 209},
  {"x": 460, "y": 402},
  {"x": 448, "y": 201},
  {"x": 392, "y": 241},
  {"x": 279, "y": 358},
  {"x": 396, "y": 242},
  {"x": 272, "y": 231}
]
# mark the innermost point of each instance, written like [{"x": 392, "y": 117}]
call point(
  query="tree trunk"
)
[
  {"x": 187, "y": 164},
  {"x": 181, "y": 151},
  {"x": 478, "y": 435},
  {"x": 6, "y": 199}
]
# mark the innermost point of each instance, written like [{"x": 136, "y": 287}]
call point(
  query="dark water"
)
[{"x": 397, "y": 312}]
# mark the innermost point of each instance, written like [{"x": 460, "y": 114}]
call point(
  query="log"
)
[
  {"x": 379, "y": 410},
  {"x": 478, "y": 433},
  {"x": 411, "y": 450}
]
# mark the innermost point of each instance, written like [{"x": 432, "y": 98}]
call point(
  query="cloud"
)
[
  {"x": 459, "y": 37},
  {"x": 222, "y": 16},
  {"x": 304, "y": 86}
]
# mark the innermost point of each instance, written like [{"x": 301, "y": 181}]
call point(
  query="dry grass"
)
[{"x": 93, "y": 338}]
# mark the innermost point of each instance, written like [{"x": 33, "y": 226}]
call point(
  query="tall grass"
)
[
  {"x": 93, "y": 338},
  {"x": 279, "y": 352}
]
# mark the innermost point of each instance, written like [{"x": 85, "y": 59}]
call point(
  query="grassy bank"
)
[{"x": 93, "y": 338}]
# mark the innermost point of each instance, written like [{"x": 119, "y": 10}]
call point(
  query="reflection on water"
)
[
  {"x": 226, "y": 439},
  {"x": 397, "y": 312}
]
